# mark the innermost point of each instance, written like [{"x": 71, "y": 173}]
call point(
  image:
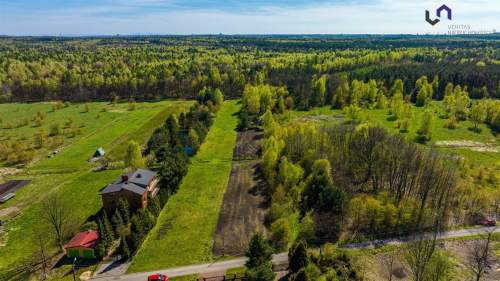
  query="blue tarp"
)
[{"x": 189, "y": 150}]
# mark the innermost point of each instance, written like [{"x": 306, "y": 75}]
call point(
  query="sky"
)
[{"x": 145, "y": 17}]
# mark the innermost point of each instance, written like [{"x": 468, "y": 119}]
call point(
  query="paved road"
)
[
  {"x": 281, "y": 258},
  {"x": 222, "y": 266},
  {"x": 444, "y": 235}
]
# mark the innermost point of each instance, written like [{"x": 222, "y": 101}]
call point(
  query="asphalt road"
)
[{"x": 281, "y": 258}]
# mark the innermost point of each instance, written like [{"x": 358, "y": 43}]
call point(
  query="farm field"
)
[
  {"x": 245, "y": 206},
  {"x": 184, "y": 231},
  {"x": 243, "y": 211},
  {"x": 69, "y": 173}
]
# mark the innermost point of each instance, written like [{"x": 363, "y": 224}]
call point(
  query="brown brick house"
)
[{"x": 136, "y": 187}]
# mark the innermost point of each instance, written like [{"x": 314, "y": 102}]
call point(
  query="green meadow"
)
[
  {"x": 463, "y": 131},
  {"x": 185, "y": 228},
  {"x": 69, "y": 172}
]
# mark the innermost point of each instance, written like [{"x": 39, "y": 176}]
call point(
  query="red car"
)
[
  {"x": 488, "y": 222},
  {"x": 157, "y": 277}
]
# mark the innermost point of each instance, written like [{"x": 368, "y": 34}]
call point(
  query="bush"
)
[
  {"x": 91, "y": 225},
  {"x": 263, "y": 272},
  {"x": 403, "y": 126},
  {"x": 131, "y": 106},
  {"x": 55, "y": 130},
  {"x": 309, "y": 273},
  {"x": 452, "y": 123},
  {"x": 424, "y": 132},
  {"x": 306, "y": 231},
  {"x": 280, "y": 233}
]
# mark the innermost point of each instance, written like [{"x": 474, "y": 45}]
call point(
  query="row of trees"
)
[
  {"x": 128, "y": 228},
  {"x": 171, "y": 145}
]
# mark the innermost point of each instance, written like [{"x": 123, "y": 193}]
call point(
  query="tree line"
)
[
  {"x": 171, "y": 145},
  {"x": 171, "y": 67}
]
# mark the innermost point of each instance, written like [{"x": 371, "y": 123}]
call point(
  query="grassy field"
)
[
  {"x": 439, "y": 133},
  {"x": 68, "y": 173},
  {"x": 184, "y": 233}
]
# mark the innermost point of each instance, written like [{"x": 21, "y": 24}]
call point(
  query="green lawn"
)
[
  {"x": 69, "y": 172},
  {"x": 183, "y": 234}
]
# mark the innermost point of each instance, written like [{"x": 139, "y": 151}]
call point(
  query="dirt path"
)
[
  {"x": 468, "y": 144},
  {"x": 244, "y": 207}
]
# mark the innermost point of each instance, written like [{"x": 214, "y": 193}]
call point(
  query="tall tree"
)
[
  {"x": 57, "y": 212},
  {"x": 133, "y": 156},
  {"x": 297, "y": 257},
  {"x": 480, "y": 255},
  {"x": 259, "y": 251},
  {"x": 477, "y": 115}
]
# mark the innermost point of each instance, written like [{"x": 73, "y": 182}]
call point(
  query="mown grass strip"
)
[{"x": 183, "y": 234}]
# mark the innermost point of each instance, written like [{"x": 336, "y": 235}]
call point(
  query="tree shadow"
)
[
  {"x": 391, "y": 118},
  {"x": 476, "y": 130}
]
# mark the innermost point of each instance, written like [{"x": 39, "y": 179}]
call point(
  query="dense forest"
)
[{"x": 152, "y": 68}]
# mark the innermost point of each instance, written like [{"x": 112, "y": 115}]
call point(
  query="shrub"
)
[
  {"x": 451, "y": 123},
  {"x": 131, "y": 106},
  {"x": 91, "y": 225},
  {"x": 263, "y": 272},
  {"x": 55, "y": 130},
  {"x": 280, "y": 233},
  {"x": 306, "y": 231}
]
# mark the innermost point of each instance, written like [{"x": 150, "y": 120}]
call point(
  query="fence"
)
[{"x": 230, "y": 277}]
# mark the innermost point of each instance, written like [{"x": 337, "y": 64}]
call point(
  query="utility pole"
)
[{"x": 73, "y": 267}]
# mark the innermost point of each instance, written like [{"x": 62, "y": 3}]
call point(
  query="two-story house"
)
[{"x": 136, "y": 187}]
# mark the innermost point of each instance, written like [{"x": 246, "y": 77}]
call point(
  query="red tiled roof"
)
[{"x": 86, "y": 239}]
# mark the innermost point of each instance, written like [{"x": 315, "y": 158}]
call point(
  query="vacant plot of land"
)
[
  {"x": 243, "y": 211},
  {"x": 185, "y": 228},
  {"x": 248, "y": 145},
  {"x": 68, "y": 173},
  {"x": 244, "y": 208}
]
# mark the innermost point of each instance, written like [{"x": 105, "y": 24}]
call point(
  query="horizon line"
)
[{"x": 243, "y": 35}]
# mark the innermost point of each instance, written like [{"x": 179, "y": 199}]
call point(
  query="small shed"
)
[
  {"x": 82, "y": 245},
  {"x": 99, "y": 152},
  {"x": 189, "y": 150}
]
